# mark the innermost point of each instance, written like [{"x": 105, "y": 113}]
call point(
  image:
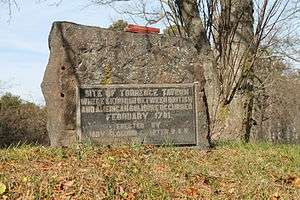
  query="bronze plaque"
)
[{"x": 148, "y": 113}]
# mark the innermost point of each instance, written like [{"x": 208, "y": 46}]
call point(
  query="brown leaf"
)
[
  {"x": 192, "y": 192},
  {"x": 160, "y": 168},
  {"x": 275, "y": 196},
  {"x": 130, "y": 196},
  {"x": 64, "y": 185},
  {"x": 296, "y": 183},
  {"x": 4, "y": 197},
  {"x": 69, "y": 183}
]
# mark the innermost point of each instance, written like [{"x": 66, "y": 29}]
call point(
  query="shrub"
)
[
  {"x": 21, "y": 122},
  {"x": 118, "y": 25}
]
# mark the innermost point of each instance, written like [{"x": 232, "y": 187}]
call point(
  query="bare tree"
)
[
  {"x": 277, "y": 103},
  {"x": 10, "y": 5},
  {"x": 13, "y": 5}
]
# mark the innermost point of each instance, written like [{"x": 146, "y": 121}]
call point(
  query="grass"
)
[{"x": 230, "y": 171}]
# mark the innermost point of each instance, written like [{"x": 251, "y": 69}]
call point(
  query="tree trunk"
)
[
  {"x": 236, "y": 50},
  {"x": 191, "y": 21},
  {"x": 237, "y": 21},
  {"x": 244, "y": 36},
  {"x": 193, "y": 26}
]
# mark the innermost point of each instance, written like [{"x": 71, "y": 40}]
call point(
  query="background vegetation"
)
[{"x": 21, "y": 122}]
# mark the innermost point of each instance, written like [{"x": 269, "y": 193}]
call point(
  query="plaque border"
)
[
  {"x": 78, "y": 115},
  {"x": 85, "y": 86},
  {"x": 175, "y": 85},
  {"x": 196, "y": 85}
]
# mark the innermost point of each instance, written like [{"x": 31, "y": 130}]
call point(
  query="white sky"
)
[{"x": 24, "y": 42}]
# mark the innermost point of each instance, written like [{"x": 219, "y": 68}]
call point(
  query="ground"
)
[{"x": 230, "y": 171}]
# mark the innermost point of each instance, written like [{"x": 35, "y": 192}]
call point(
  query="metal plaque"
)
[{"x": 148, "y": 113}]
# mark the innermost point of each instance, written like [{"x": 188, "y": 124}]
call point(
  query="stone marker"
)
[
  {"x": 90, "y": 56},
  {"x": 148, "y": 114}
]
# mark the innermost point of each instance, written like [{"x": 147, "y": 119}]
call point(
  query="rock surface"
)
[{"x": 84, "y": 55}]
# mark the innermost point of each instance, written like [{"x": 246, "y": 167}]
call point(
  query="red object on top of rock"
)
[{"x": 140, "y": 29}]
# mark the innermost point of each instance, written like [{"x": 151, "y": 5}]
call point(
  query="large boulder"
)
[{"x": 83, "y": 55}]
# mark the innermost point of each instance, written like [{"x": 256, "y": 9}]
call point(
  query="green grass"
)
[{"x": 230, "y": 171}]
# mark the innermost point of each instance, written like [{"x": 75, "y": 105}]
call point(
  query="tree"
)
[
  {"x": 12, "y": 5},
  {"x": 277, "y": 104}
]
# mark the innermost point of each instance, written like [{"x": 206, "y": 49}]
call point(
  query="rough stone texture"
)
[{"x": 91, "y": 55}]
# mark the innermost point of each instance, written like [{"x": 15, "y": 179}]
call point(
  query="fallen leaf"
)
[
  {"x": 231, "y": 191},
  {"x": 275, "y": 196},
  {"x": 59, "y": 164},
  {"x": 130, "y": 196},
  {"x": 160, "y": 168},
  {"x": 292, "y": 180},
  {"x": 70, "y": 193},
  {"x": 297, "y": 183},
  {"x": 192, "y": 192},
  {"x": 2, "y": 188},
  {"x": 4, "y": 197},
  {"x": 64, "y": 185},
  {"x": 68, "y": 184}
]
